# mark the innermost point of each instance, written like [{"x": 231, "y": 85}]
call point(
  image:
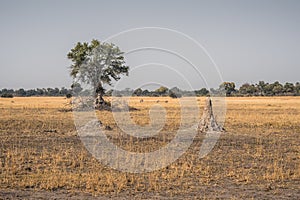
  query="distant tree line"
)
[
  {"x": 35, "y": 92},
  {"x": 262, "y": 89},
  {"x": 162, "y": 91},
  {"x": 259, "y": 89}
]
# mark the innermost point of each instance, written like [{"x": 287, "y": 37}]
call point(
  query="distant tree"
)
[
  {"x": 175, "y": 91},
  {"x": 248, "y": 89},
  {"x": 31, "y": 92},
  {"x": 268, "y": 89},
  {"x": 277, "y": 88},
  {"x": 261, "y": 88},
  {"x": 56, "y": 92},
  {"x": 297, "y": 88},
  {"x": 63, "y": 91},
  {"x": 4, "y": 90},
  {"x": 50, "y": 92},
  {"x": 20, "y": 92},
  {"x": 289, "y": 88},
  {"x": 137, "y": 92},
  {"x": 8, "y": 91},
  {"x": 40, "y": 92},
  {"x": 229, "y": 88},
  {"x": 161, "y": 91},
  {"x": 97, "y": 64},
  {"x": 202, "y": 92},
  {"x": 146, "y": 93}
]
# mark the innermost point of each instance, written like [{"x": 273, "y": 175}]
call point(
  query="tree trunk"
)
[
  {"x": 100, "y": 103},
  {"x": 99, "y": 100}
]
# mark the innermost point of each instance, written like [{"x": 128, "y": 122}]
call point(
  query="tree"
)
[
  {"x": 202, "y": 92},
  {"x": 247, "y": 89},
  {"x": 229, "y": 88},
  {"x": 268, "y": 89},
  {"x": 56, "y": 92},
  {"x": 64, "y": 91},
  {"x": 40, "y": 92},
  {"x": 175, "y": 92},
  {"x": 146, "y": 93},
  {"x": 138, "y": 92},
  {"x": 31, "y": 92},
  {"x": 289, "y": 88},
  {"x": 97, "y": 64},
  {"x": 162, "y": 90},
  {"x": 51, "y": 92},
  {"x": 20, "y": 92},
  {"x": 277, "y": 88},
  {"x": 261, "y": 87},
  {"x": 297, "y": 88},
  {"x": 7, "y": 93}
]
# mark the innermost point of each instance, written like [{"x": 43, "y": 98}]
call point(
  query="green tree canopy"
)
[
  {"x": 79, "y": 54},
  {"x": 248, "y": 89},
  {"x": 229, "y": 87},
  {"x": 289, "y": 88},
  {"x": 137, "y": 92},
  {"x": 162, "y": 90}
]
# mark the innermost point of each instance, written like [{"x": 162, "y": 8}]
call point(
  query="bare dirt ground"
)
[
  {"x": 229, "y": 191},
  {"x": 258, "y": 157}
]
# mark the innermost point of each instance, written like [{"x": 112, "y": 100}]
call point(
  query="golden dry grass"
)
[{"x": 40, "y": 150}]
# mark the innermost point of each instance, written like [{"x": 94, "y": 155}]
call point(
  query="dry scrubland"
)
[{"x": 258, "y": 157}]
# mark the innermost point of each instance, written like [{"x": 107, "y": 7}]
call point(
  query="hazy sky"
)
[{"x": 248, "y": 40}]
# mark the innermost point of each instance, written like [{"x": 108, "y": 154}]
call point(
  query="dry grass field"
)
[{"x": 257, "y": 158}]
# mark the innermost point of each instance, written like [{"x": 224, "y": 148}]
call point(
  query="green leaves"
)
[
  {"x": 97, "y": 64},
  {"x": 78, "y": 55}
]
